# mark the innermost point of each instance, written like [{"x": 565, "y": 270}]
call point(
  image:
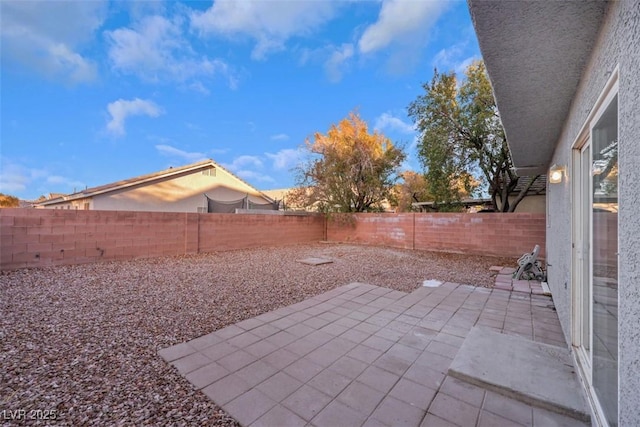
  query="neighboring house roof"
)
[
  {"x": 145, "y": 179},
  {"x": 283, "y": 195},
  {"x": 278, "y": 193},
  {"x": 535, "y": 53},
  {"x": 466, "y": 202},
  {"x": 538, "y": 188},
  {"x": 26, "y": 203}
]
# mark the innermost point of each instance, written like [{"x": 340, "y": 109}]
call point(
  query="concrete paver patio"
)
[{"x": 366, "y": 355}]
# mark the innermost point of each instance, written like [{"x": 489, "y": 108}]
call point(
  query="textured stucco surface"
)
[
  {"x": 617, "y": 45},
  {"x": 547, "y": 46},
  {"x": 629, "y": 220}
]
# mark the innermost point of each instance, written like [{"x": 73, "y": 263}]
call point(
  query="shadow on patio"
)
[{"x": 367, "y": 355}]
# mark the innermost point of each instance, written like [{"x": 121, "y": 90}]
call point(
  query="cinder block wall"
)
[
  {"x": 508, "y": 235},
  {"x": 42, "y": 237},
  {"x": 385, "y": 229},
  {"x": 237, "y": 231},
  {"x": 38, "y": 238}
]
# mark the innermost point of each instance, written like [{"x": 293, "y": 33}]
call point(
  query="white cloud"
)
[
  {"x": 460, "y": 55},
  {"x": 139, "y": 9},
  {"x": 47, "y": 36},
  {"x": 454, "y": 59},
  {"x": 249, "y": 168},
  {"x": 156, "y": 51},
  {"x": 334, "y": 66},
  {"x": 242, "y": 162},
  {"x": 67, "y": 182},
  {"x": 335, "y": 60},
  {"x": 78, "y": 68},
  {"x": 199, "y": 87},
  {"x": 169, "y": 151},
  {"x": 251, "y": 175},
  {"x": 403, "y": 28},
  {"x": 14, "y": 178},
  {"x": 285, "y": 158},
  {"x": 307, "y": 55},
  {"x": 400, "y": 20},
  {"x": 219, "y": 150},
  {"x": 28, "y": 182},
  {"x": 387, "y": 121},
  {"x": 279, "y": 137},
  {"x": 269, "y": 23},
  {"x": 121, "y": 109},
  {"x": 461, "y": 66}
]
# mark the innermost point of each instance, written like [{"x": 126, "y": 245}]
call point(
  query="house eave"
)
[
  {"x": 535, "y": 53},
  {"x": 143, "y": 180},
  {"x": 109, "y": 188}
]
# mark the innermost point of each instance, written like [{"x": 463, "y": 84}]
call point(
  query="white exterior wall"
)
[
  {"x": 184, "y": 193},
  {"x": 72, "y": 205},
  {"x": 531, "y": 204},
  {"x": 618, "y": 45}
]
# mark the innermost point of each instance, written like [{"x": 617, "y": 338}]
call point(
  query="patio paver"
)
[
  {"x": 365, "y": 355},
  {"x": 495, "y": 360}
]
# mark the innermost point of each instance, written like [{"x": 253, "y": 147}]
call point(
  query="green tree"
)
[
  {"x": 348, "y": 170},
  {"x": 460, "y": 133},
  {"x": 7, "y": 201}
]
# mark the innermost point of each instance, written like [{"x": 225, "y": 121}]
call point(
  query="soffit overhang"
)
[{"x": 535, "y": 53}]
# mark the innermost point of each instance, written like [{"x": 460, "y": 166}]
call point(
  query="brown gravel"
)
[{"x": 82, "y": 340}]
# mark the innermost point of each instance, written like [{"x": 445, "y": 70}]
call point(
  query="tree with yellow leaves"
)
[
  {"x": 348, "y": 169},
  {"x": 7, "y": 201},
  {"x": 412, "y": 189}
]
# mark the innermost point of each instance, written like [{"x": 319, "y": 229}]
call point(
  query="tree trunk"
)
[
  {"x": 504, "y": 191},
  {"x": 522, "y": 194}
]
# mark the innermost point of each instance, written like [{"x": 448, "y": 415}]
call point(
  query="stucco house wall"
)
[
  {"x": 183, "y": 193},
  {"x": 181, "y": 189},
  {"x": 81, "y": 204},
  {"x": 617, "y": 45},
  {"x": 531, "y": 204}
]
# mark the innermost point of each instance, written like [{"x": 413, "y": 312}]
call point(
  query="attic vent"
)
[{"x": 209, "y": 172}]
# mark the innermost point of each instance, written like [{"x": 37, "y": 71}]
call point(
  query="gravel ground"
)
[{"x": 83, "y": 340}]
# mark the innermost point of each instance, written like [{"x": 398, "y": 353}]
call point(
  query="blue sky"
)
[{"x": 96, "y": 91}]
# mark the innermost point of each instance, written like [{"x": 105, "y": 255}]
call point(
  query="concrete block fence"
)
[
  {"x": 39, "y": 237},
  {"x": 44, "y": 237},
  {"x": 496, "y": 234}
]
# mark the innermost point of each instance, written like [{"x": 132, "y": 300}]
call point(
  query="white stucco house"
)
[
  {"x": 566, "y": 76},
  {"x": 199, "y": 187}
]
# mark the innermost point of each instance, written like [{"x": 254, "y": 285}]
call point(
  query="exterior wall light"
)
[{"x": 556, "y": 173}]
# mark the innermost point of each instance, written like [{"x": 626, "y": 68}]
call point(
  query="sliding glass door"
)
[
  {"x": 595, "y": 257},
  {"x": 604, "y": 235}
]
